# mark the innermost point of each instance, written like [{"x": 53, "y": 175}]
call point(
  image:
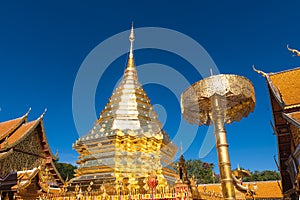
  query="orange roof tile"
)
[
  {"x": 268, "y": 189},
  {"x": 7, "y": 127},
  {"x": 265, "y": 189},
  {"x": 18, "y": 134},
  {"x": 287, "y": 84}
]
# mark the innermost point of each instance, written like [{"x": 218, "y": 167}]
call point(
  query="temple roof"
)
[
  {"x": 15, "y": 130},
  {"x": 18, "y": 134},
  {"x": 12, "y": 131},
  {"x": 285, "y": 86},
  {"x": 286, "y": 83},
  {"x": 9, "y": 126}
]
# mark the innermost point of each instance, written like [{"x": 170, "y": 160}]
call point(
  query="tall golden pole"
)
[
  {"x": 219, "y": 99},
  {"x": 222, "y": 147}
]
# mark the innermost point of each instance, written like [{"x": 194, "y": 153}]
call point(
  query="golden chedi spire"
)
[
  {"x": 127, "y": 142},
  {"x": 129, "y": 107},
  {"x": 130, "y": 69},
  {"x": 131, "y": 39}
]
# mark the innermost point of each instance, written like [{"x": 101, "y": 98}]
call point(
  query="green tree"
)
[
  {"x": 66, "y": 170},
  {"x": 266, "y": 175},
  {"x": 202, "y": 172}
]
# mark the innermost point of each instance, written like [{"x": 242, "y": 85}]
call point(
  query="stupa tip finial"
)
[
  {"x": 131, "y": 39},
  {"x": 211, "y": 72}
]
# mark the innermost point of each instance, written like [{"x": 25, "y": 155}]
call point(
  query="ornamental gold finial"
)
[
  {"x": 6, "y": 142},
  {"x": 259, "y": 71},
  {"x": 131, "y": 39},
  {"x": 27, "y": 113},
  {"x": 295, "y": 52},
  {"x": 56, "y": 155}
]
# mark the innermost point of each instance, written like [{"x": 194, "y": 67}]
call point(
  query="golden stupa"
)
[{"x": 126, "y": 144}]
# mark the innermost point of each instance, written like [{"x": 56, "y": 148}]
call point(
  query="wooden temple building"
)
[
  {"x": 126, "y": 144},
  {"x": 284, "y": 92},
  {"x": 27, "y": 168}
]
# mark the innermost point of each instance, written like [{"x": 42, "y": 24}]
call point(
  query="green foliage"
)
[
  {"x": 65, "y": 170},
  {"x": 266, "y": 175},
  {"x": 201, "y": 172}
]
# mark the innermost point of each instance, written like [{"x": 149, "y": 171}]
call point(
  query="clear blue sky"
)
[{"x": 43, "y": 44}]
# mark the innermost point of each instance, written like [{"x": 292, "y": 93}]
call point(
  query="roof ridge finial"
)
[
  {"x": 264, "y": 74},
  {"x": 42, "y": 115},
  {"x": 131, "y": 39},
  {"x": 27, "y": 113},
  {"x": 295, "y": 52}
]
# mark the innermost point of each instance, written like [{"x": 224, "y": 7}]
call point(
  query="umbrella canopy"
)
[{"x": 237, "y": 99}]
